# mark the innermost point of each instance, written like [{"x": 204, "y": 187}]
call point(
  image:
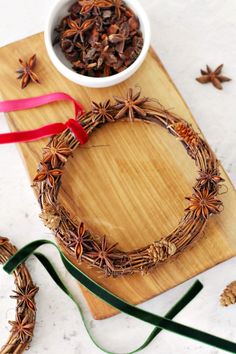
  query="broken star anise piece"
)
[
  {"x": 24, "y": 297},
  {"x": 45, "y": 174},
  {"x": 130, "y": 105},
  {"x": 88, "y": 5},
  {"x": 22, "y": 328},
  {"x": 214, "y": 77},
  {"x": 26, "y": 73},
  {"x": 204, "y": 203},
  {"x": 102, "y": 112},
  {"x": 56, "y": 152}
]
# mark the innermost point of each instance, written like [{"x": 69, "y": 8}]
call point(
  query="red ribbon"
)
[{"x": 47, "y": 130}]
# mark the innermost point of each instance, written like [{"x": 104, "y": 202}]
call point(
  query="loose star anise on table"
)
[
  {"x": 24, "y": 297},
  {"x": 56, "y": 152},
  {"x": 130, "y": 105},
  {"x": 26, "y": 73},
  {"x": 214, "y": 77},
  {"x": 46, "y": 174},
  {"x": 22, "y": 328},
  {"x": 204, "y": 203}
]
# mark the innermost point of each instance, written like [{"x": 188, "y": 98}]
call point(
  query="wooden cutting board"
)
[{"x": 130, "y": 180}]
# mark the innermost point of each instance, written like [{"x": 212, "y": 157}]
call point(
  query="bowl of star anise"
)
[{"x": 97, "y": 43}]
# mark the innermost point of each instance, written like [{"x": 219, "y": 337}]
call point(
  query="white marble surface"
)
[{"x": 186, "y": 35}]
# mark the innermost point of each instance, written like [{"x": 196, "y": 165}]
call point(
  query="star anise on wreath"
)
[
  {"x": 26, "y": 73},
  {"x": 214, "y": 77},
  {"x": 22, "y": 328},
  {"x": 24, "y": 297},
  {"x": 131, "y": 104},
  {"x": 103, "y": 254},
  {"x": 102, "y": 112},
  {"x": 207, "y": 178},
  {"x": 204, "y": 203},
  {"x": 88, "y": 5},
  {"x": 77, "y": 29},
  {"x": 80, "y": 240},
  {"x": 56, "y": 152},
  {"x": 46, "y": 174}
]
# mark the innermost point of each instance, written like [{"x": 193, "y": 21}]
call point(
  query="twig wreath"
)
[
  {"x": 23, "y": 326},
  {"x": 95, "y": 250}
]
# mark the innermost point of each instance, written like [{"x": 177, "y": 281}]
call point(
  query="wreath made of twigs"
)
[
  {"x": 87, "y": 247},
  {"x": 23, "y": 326}
]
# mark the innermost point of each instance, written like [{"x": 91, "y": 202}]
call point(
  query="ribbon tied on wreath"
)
[{"x": 49, "y": 129}]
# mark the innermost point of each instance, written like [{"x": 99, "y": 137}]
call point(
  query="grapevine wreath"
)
[
  {"x": 23, "y": 326},
  {"x": 95, "y": 250}
]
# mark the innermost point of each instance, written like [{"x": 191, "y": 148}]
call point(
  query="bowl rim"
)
[{"x": 88, "y": 80}]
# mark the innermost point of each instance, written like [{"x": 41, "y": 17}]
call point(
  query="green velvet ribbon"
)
[{"x": 113, "y": 300}]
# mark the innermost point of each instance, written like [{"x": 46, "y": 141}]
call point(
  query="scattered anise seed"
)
[
  {"x": 26, "y": 73},
  {"x": 213, "y": 77}
]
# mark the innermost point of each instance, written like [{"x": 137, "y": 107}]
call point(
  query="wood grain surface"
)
[{"x": 129, "y": 181}]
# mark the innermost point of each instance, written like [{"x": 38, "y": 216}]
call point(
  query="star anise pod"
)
[
  {"x": 208, "y": 177},
  {"x": 48, "y": 175},
  {"x": 204, "y": 203},
  {"x": 214, "y": 77},
  {"x": 88, "y": 5},
  {"x": 26, "y": 73},
  {"x": 24, "y": 297},
  {"x": 56, "y": 152},
  {"x": 22, "y": 328},
  {"x": 102, "y": 112},
  {"x": 131, "y": 104},
  {"x": 77, "y": 29},
  {"x": 103, "y": 254},
  {"x": 79, "y": 240}
]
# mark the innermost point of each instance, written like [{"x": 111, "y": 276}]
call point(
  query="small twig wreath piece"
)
[
  {"x": 96, "y": 250},
  {"x": 23, "y": 326}
]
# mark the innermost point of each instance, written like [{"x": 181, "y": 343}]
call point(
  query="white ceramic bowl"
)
[{"x": 59, "y": 10}]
